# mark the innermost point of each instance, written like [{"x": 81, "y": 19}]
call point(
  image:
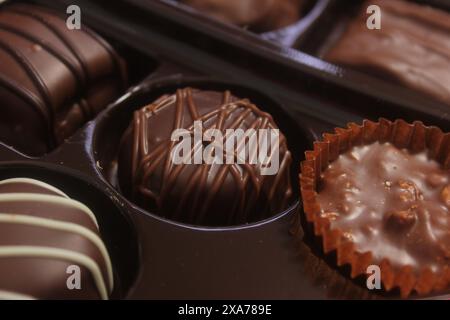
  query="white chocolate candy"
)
[{"x": 43, "y": 230}]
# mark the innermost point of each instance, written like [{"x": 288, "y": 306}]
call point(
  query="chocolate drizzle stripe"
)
[
  {"x": 177, "y": 124},
  {"x": 49, "y": 48},
  {"x": 284, "y": 166},
  {"x": 191, "y": 185},
  {"x": 112, "y": 53},
  {"x": 135, "y": 151},
  {"x": 66, "y": 40},
  {"x": 86, "y": 108},
  {"x": 34, "y": 101},
  {"x": 35, "y": 183},
  {"x": 45, "y": 223},
  {"x": 241, "y": 183},
  {"x": 192, "y": 107},
  {"x": 145, "y": 162},
  {"x": 88, "y": 250},
  {"x": 8, "y": 295},
  {"x": 59, "y": 254},
  {"x": 43, "y": 198},
  {"x": 32, "y": 73}
]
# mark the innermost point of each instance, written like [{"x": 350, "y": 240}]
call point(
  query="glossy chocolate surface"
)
[
  {"x": 42, "y": 234},
  {"x": 392, "y": 203},
  {"x": 258, "y": 15},
  {"x": 176, "y": 261},
  {"x": 216, "y": 194},
  {"x": 412, "y": 47},
  {"x": 52, "y": 79}
]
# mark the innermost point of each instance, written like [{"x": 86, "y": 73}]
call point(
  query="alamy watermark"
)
[
  {"x": 73, "y": 281},
  {"x": 374, "y": 20},
  {"x": 255, "y": 147},
  {"x": 73, "y": 21},
  {"x": 373, "y": 277}
]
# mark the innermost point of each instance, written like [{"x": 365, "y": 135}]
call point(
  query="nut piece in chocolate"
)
[{"x": 394, "y": 211}]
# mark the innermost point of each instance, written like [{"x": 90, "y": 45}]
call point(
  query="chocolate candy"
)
[
  {"x": 198, "y": 192},
  {"x": 52, "y": 79},
  {"x": 45, "y": 239},
  {"x": 412, "y": 47},
  {"x": 258, "y": 15},
  {"x": 391, "y": 203}
]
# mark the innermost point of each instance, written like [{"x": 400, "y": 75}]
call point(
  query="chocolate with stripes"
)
[
  {"x": 204, "y": 194},
  {"x": 52, "y": 79},
  {"x": 258, "y": 15},
  {"x": 45, "y": 238}
]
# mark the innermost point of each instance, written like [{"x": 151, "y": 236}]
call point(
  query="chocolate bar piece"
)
[
  {"x": 50, "y": 246},
  {"x": 52, "y": 79},
  {"x": 412, "y": 47}
]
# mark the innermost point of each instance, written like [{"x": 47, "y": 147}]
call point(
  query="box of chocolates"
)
[{"x": 224, "y": 150}]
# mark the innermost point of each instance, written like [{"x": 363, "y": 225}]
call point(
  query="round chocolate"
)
[
  {"x": 200, "y": 192},
  {"x": 52, "y": 79},
  {"x": 50, "y": 247},
  {"x": 392, "y": 203},
  {"x": 258, "y": 15}
]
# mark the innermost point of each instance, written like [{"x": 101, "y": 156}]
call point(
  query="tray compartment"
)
[
  {"x": 294, "y": 35},
  {"x": 259, "y": 261},
  {"x": 40, "y": 112},
  {"x": 335, "y": 20},
  {"x": 112, "y": 124},
  {"x": 117, "y": 230}
]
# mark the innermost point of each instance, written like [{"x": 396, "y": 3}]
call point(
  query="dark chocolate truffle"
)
[
  {"x": 258, "y": 15},
  {"x": 215, "y": 193},
  {"x": 412, "y": 47},
  {"x": 52, "y": 79},
  {"x": 45, "y": 237},
  {"x": 392, "y": 203}
]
